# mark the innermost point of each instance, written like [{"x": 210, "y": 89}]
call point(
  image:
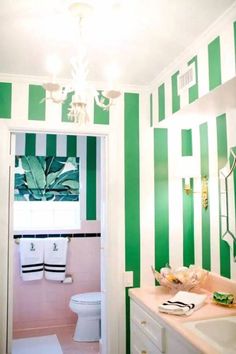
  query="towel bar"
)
[{"x": 17, "y": 240}]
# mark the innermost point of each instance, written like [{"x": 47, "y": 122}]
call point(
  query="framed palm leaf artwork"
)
[{"x": 40, "y": 178}]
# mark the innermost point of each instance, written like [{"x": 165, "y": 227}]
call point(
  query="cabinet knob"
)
[
  {"x": 144, "y": 352},
  {"x": 143, "y": 323}
]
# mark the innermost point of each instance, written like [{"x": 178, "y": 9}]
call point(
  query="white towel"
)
[
  {"x": 31, "y": 258},
  {"x": 55, "y": 254},
  {"x": 183, "y": 303}
]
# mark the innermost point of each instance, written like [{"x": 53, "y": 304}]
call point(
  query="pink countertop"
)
[{"x": 151, "y": 297}]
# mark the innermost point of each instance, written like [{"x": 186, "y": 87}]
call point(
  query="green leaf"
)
[
  {"x": 34, "y": 173},
  {"x": 71, "y": 184}
]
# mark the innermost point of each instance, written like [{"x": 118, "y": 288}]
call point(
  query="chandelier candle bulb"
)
[{"x": 79, "y": 86}]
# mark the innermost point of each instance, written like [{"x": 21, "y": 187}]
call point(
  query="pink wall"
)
[{"x": 45, "y": 303}]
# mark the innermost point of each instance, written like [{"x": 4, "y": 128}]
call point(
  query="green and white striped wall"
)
[
  {"x": 214, "y": 63},
  {"x": 87, "y": 148}
]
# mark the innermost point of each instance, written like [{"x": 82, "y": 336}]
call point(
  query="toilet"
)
[{"x": 88, "y": 308}]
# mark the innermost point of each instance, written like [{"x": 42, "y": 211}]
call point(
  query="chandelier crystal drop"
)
[{"x": 79, "y": 87}]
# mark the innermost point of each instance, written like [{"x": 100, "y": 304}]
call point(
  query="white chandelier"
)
[{"x": 79, "y": 87}]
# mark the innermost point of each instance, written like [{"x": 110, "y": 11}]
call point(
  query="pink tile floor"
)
[{"x": 65, "y": 337}]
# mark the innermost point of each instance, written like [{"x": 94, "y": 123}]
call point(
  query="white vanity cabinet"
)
[{"x": 150, "y": 335}]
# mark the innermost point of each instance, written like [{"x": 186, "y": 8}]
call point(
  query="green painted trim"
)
[
  {"x": 161, "y": 102},
  {"x": 188, "y": 227},
  {"x": 175, "y": 96},
  {"x": 161, "y": 204},
  {"x": 193, "y": 90},
  {"x": 71, "y": 146},
  {"x": 151, "y": 110},
  {"x": 222, "y": 153},
  {"x": 101, "y": 116},
  {"x": 91, "y": 186},
  {"x": 37, "y": 106},
  {"x": 214, "y": 63},
  {"x": 65, "y": 108},
  {"x": 30, "y": 144},
  {"x": 186, "y": 137},
  {"x": 5, "y": 100},
  {"x": 206, "y": 241},
  {"x": 234, "y": 183},
  {"x": 51, "y": 145}
]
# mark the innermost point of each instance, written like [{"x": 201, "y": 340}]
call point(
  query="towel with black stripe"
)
[
  {"x": 31, "y": 258},
  {"x": 55, "y": 256}
]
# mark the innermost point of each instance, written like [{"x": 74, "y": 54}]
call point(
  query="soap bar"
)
[{"x": 223, "y": 298}]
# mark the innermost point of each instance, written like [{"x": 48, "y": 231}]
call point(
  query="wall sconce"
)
[
  {"x": 187, "y": 168},
  {"x": 205, "y": 192}
]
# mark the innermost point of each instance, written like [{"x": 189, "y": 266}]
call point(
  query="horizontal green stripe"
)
[
  {"x": 161, "y": 198},
  {"x": 5, "y": 100},
  {"x": 161, "y": 102},
  {"x": 214, "y": 63},
  {"x": 37, "y": 106}
]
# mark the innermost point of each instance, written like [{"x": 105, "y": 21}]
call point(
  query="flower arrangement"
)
[{"x": 183, "y": 278}]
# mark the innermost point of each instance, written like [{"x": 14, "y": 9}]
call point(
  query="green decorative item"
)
[{"x": 40, "y": 178}]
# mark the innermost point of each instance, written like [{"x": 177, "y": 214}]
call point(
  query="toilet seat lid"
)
[{"x": 87, "y": 298}]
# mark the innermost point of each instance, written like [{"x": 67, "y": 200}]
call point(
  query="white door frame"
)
[{"x": 112, "y": 225}]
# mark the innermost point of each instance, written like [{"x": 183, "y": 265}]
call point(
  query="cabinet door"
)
[{"x": 140, "y": 343}]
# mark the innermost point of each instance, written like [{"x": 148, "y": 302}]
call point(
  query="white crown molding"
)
[
  {"x": 212, "y": 31},
  {"x": 39, "y": 80}
]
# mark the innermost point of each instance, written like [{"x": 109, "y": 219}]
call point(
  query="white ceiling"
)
[{"x": 141, "y": 36}]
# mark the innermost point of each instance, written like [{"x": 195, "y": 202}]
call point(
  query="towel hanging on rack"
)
[
  {"x": 31, "y": 258},
  {"x": 55, "y": 255}
]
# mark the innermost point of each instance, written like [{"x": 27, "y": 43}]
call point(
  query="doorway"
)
[
  {"x": 57, "y": 197},
  {"x": 112, "y": 248}
]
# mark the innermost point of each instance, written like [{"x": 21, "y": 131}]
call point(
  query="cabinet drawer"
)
[
  {"x": 148, "y": 325},
  {"x": 140, "y": 343}
]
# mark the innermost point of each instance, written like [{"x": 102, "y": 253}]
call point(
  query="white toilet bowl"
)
[{"x": 88, "y": 308}]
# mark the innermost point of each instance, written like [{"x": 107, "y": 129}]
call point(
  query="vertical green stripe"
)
[
  {"x": 30, "y": 144},
  {"x": 193, "y": 90},
  {"x": 132, "y": 207},
  {"x": 101, "y": 116},
  {"x": 206, "y": 243},
  {"x": 188, "y": 227},
  {"x": 65, "y": 108},
  {"x": 175, "y": 96},
  {"x": 161, "y": 102},
  {"x": 5, "y": 100},
  {"x": 161, "y": 198},
  {"x": 151, "y": 111},
  {"x": 51, "y": 145},
  {"x": 71, "y": 145},
  {"x": 91, "y": 179},
  {"x": 235, "y": 44},
  {"x": 234, "y": 183},
  {"x": 36, "y": 108},
  {"x": 186, "y": 135},
  {"x": 214, "y": 63},
  {"x": 132, "y": 198},
  {"x": 222, "y": 148}
]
